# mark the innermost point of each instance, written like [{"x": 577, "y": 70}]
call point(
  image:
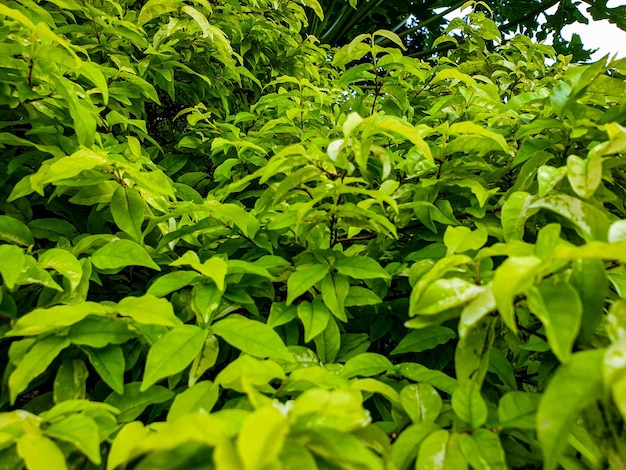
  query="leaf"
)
[
  {"x": 172, "y": 353},
  {"x": 360, "y": 267},
  {"x": 518, "y": 410},
  {"x": 133, "y": 402},
  {"x": 35, "y": 363},
  {"x": 303, "y": 279},
  {"x": 127, "y": 209},
  {"x": 205, "y": 359},
  {"x": 42, "y": 320},
  {"x": 148, "y": 310},
  {"x": 515, "y": 211},
  {"x": 199, "y": 398},
  {"x": 81, "y": 431},
  {"x": 328, "y": 342},
  {"x": 405, "y": 448},
  {"x": 483, "y": 450},
  {"x": 261, "y": 438},
  {"x": 171, "y": 282},
  {"x": 421, "y": 402},
  {"x": 366, "y": 365},
  {"x": 40, "y": 453},
  {"x": 461, "y": 239},
  {"x": 469, "y": 405},
  {"x": 558, "y": 307},
  {"x": 214, "y": 268},
  {"x": 424, "y": 339},
  {"x": 252, "y": 337},
  {"x": 393, "y": 37},
  {"x": 419, "y": 373},
  {"x": 253, "y": 371},
  {"x": 440, "y": 451},
  {"x": 63, "y": 262},
  {"x": 109, "y": 363},
  {"x": 98, "y": 332},
  {"x": 444, "y": 294},
  {"x": 335, "y": 288},
  {"x": 124, "y": 446},
  {"x": 12, "y": 259},
  {"x": 514, "y": 276},
  {"x": 14, "y": 231},
  {"x": 119, "y": 254},
  {"x": 314, "y": 317},
  {"x": 582, "y": 378}
]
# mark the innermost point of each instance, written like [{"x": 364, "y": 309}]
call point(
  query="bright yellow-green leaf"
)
[{"x": 40, "y": 452}]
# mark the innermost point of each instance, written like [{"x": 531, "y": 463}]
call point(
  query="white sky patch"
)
[{"x": 606, "y": 37}]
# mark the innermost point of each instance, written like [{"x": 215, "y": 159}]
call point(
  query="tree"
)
[
  {"x": 227, "y": 245},
  {"x": 421, "y": 23}
]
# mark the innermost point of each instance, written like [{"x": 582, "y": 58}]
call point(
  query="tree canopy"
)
[
  {"x": 420, "y": 23},
  {"x": 226, "y": 244}
]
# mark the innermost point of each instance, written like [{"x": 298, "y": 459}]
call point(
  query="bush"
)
[{"x": 227, "y": 246}]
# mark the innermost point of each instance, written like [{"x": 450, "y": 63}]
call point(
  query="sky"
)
[{"x": 601, "y": 35}]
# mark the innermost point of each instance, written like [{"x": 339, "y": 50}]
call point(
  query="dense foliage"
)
[{"x": 225, "y": 245}]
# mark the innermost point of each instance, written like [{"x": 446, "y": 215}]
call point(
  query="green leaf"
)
[
  {"x": 119, "y": 254},
  {"x": 471, "y": 356},
  {"x": 42, "y": 320},
  {"x": 441, "y": 450},
  {"x": 424, "y": 339},
  {"x": 405, "y": 448},
  {"x": 214, "y": 268},
  {"x": 14, "y": 231},
  {"x": 513, "y": 277},
  {"x": 171, "y": 282},
  {"x": 204, "y": 360},
  {"x": 255, "y": 372},
  {"x": 518, "y": 410},
  {"x": 172, "y": 353},
  {"x": 148, "y": 310},
  {"x": 419, "y": 373},
  {"x": 328, "y": 342},
  {"x": 35, "y": 363},
  {"x": 584, "y": 175},
  {"x": 444, "y": 294},
  {"x": 366, "y": 365},
  {"x": 582, "y": 379},
  {"x": 201, "y": 397},
  {"x": 303, "y": 279},
  {"x": 461, "y": 239},
  {"x": 12, "y": 259},
  {"x": 469, "y": 405},
  {"x": 98, "y": 332},
  {"x": 63, "y": 262},
  {"x": 335, "y": 288},
  {"x": 261, "y": 438},
  {"x": 514, "y": 213},
  {"x": 81, "y": 431},
  {"x": 133, "y": 402},
  {"x": 40, "y": 453},
  {"x": 359, "y": 296},
  {"x": 252, "y": 337},
  {"x": 360, "y": 267},
  {"x": 558, "y": 307},
  {"x": 109, "y": 363},
  {"x": 314, "y": 317},
  {"x": 127, "y": 209},
  {"x": 500, "y": 365},
  {"x": 421, "y": 402},
  {"x": 483, "y": 450}
]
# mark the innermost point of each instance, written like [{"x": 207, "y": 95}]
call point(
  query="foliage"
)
[
  {"x": 421, "y": 23},
  {"x": 226, "y": 246}
]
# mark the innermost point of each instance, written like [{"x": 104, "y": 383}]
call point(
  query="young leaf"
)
[
  {"x": 81, "y": 431},
  {"x": 441, "y": 450},
  {"x": 122, "y": 253},
  {"x": 424, "y": 339},
  {"x": 35, "y": 362},
  {"x": 201, "y": 397},
  {"x": 148, "y": 310},
  {"x": 314, "y": 316},
  {"x": 127, "y": 209},
  {"x": 366, "y": 365},
  {"x": 109, "y": 363},
  {"x": 469, "y": 405},
  {"x": 14, "y": 231},
  {"x": 261, "y": 438},
  {"x": 421, "y": 402},
  {"x": 172, "y": 353},
  {"x": 252, "y": 337},
  {"x": 303, "y": 279},
  {"x": 40, "y": 452},
  {"x": 360, "y": 267}
]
